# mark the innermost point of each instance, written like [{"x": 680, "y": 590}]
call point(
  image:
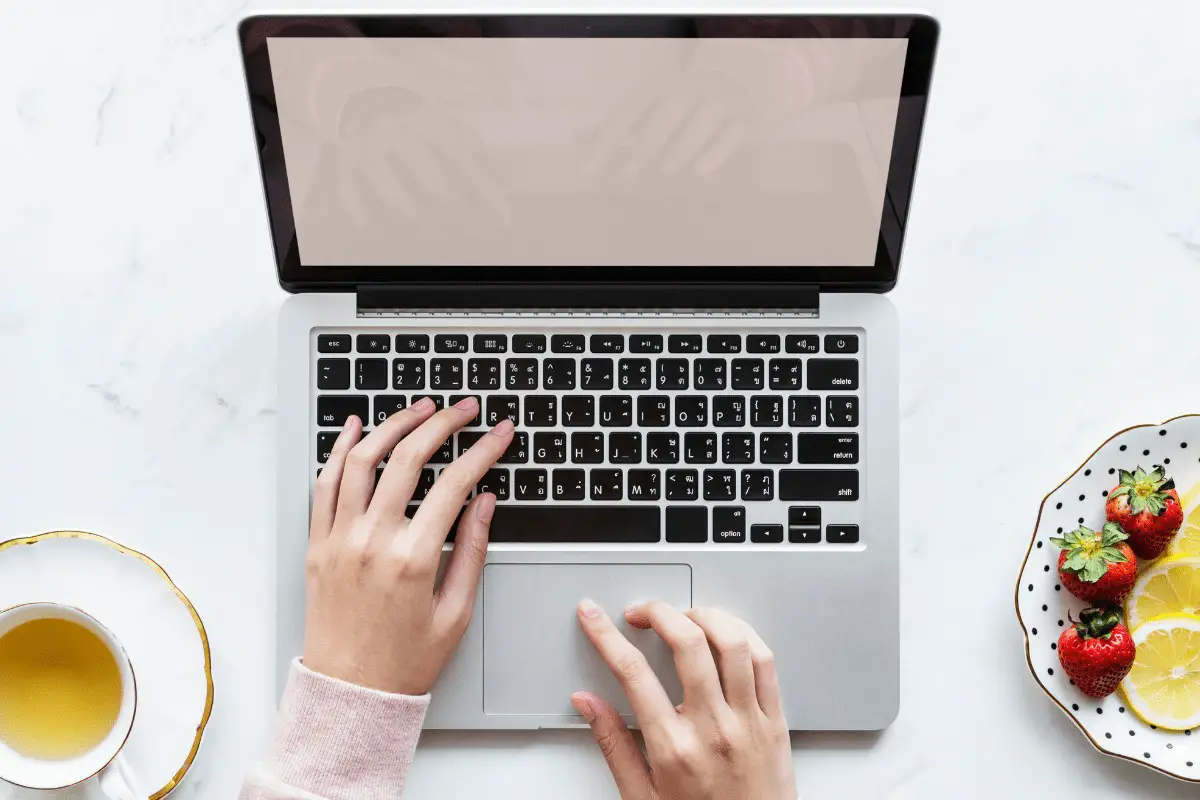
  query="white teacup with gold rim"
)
[{"x": 68, "y": 697}]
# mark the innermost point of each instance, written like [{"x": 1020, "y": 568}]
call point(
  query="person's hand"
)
[
  {"x": 727, "y": 740},
  {"x": 374, "y": 614}
]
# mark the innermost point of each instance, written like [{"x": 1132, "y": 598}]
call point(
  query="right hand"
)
[{"x": 727, "y": 740}]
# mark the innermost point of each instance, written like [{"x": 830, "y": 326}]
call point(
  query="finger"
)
[
  {"x": 325, "y": 492},
  {"x": 693, "y": 657},
  {"x": 625, "y": 760},
  {"x": 456, "y": 598},
  {"x": 403, "y": 470},
  {"x": 731, "y": 645},
  {"x": 646, "y": 695},
  {"x": 358, "y": 478},
  {"x": 445, "y": 500},
  {"x": 766, "y": 679}
]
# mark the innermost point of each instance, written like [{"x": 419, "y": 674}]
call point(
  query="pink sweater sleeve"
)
[{"x": 338, "y": 741}]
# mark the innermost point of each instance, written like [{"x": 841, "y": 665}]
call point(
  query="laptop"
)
[{"x": 661, "y": 245}]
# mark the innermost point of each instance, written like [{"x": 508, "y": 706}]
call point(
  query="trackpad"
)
[{"x": 535, "y": 653}]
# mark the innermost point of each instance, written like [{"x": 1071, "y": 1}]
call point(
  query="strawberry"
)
[
  {"x": 1146, "y": 506},
  {"x": 1096, "y": 652},
  {"x": 1097, "y": 567}
]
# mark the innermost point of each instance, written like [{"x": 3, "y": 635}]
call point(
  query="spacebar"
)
[{"x": 570, "y": 524}]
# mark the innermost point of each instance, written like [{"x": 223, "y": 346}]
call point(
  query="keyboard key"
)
[
  {"x": 370, "y": 373},
  {"x": 496, "y": 482},
  {"x": 672, "y": 374},
  {"x": 483, "y": 373},
  {"x": 444, "y": 454},
  {"x": 841, "y": 534},
  {"x": 624, "y": 448},
  {"x": 412, "y": 343},
  {"x": 683, "y": 484},
  {"x": 583, "y": 524},
  {"x": 691, "y": 411},
  {"x": 334, "y": 373},
  {"x": 541, "y": 411},
  {"x": 737, "y": 448},
  {"x": 587, "y": 448},
  {"x": 450, "y": 343},
  {"x": 558, "y": 374},
  {"x": 408, "y": 373},
  {"x": 566, "y": 343},
  {"x": 724, "y": 343},
  {"x": 333, "y": 343},
  {"x": 804, "y": 412},
  {"x": 747, "y": 373},
  {"x": 445, "y": 373},
  {"x": 766, "y": 411},
  {"x": 801, "y": 534},
  {"x": 685, "y": 343},
  {"x": 531, "y": 484},
  {"x": 373, "y": 343},
  {"x": 758, "y": 484},
  {"x": 729, "y": 524},
  {"x": 806, "y": 343},
  {"x": 654, "y": 410},
  {"x": 529, "y": 343},
  {"x": 662, "y": 448},
  {"x": 578, "y": 411},
  {"x": 775, "y": 448},
  {"x": 841, "y": 412},
  {"x": 521, "y": 373},
  {"x": 568, "y": 485},
  {"x": 645, "y": 343},
  {"x": 518, "y": 449},
  {"x": 838, "y": 374},
  {"x": 710, "y": 374},
  {"x": 762, "y": 343},
  {"x": 818, "y": 484},
  {"x": 633, "y": 373},
  {"x": 720, "y": 484},
  {"x": 607, "y": 343},
  {"x": 766, "y": 534},
  {"x": 729, "y": 411},
  {"x": 334, "y": 410},
  {"x": 325, "y": 440},
  {"x": 467, "y": 439},
  {"x": 478, "y": 420},
  {"x": 687, "y": 524},
  {"x": 785, "y": 373},
  {"x": 643, "y": 484},
  {"x": 596, "y": 374},
  {"x": 489, "y": 343},
  {"x": 841, "y": 343},
  {"x": 826, "y": 448},
  {"x": 607, "y": 484},
  {"x": 700, "y": 448},
  {"x": 439, "y": 401},
  {"x": 500, "y": 406},
  {"x": 550, "y": 448},
  {"x": 424, "y": 484},
  {"x": 616, "y": 411},
  {"x": 804, "y": 516},
  {"x": 387, "y": 404}
]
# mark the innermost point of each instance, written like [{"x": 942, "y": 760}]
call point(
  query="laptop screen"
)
[{"x": 492, "y": 149}]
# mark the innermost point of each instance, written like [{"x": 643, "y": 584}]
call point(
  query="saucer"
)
[
  {"x": 1044, "y": 608},
  {"x": 162, "y": 633}
]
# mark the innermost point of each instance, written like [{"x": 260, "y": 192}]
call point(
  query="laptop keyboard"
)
[{"x": 628, "y": 438}]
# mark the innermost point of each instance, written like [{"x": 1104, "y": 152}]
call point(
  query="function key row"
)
[{"x": 685, "y": 343}]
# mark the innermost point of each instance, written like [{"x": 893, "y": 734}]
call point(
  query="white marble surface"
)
[{"x": 1047, "y": 299}]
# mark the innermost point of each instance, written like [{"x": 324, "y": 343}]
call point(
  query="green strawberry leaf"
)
[
  {"x": 1112, "y": 534},
  {"x": 1093, "y": 570},
  {"x": 1061, "y": 544},
  {"x": 1112, "y": 555}
]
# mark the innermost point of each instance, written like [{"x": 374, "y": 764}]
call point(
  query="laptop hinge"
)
[{"x": 787, "y": 299}]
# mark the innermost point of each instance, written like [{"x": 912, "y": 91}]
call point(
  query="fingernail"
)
[
  {"x": 590, "y": 609},
  {"x": 630, "y": 610},
  {"x": 485, "y": 508},
  {"x": 424, "y": 404},
  {"x": 503, "y": 427},
  {"x": 466, "y": 404},
  {"x": 584, "y": 706}
]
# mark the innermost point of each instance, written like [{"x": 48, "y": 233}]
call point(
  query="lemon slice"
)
[
  {"x": 1187, "y": 541},
  {"x": 1168, "y": 586},
  {"x": 1163, "y": 688}
]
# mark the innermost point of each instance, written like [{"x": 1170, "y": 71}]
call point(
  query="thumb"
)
[{"x": 625, "y": 760}]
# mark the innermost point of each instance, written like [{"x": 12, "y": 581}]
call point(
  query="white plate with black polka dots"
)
[{"x": 1043, "y": 605}]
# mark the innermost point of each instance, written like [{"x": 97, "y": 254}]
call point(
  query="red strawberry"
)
[
  {"x": 1098, "y": 568},
  {"x": 1096, "y": 652},
  {"x": 1146, "y": 506}
]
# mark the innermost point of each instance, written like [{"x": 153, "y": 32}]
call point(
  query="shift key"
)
[{"x": 818, "y": 484}]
